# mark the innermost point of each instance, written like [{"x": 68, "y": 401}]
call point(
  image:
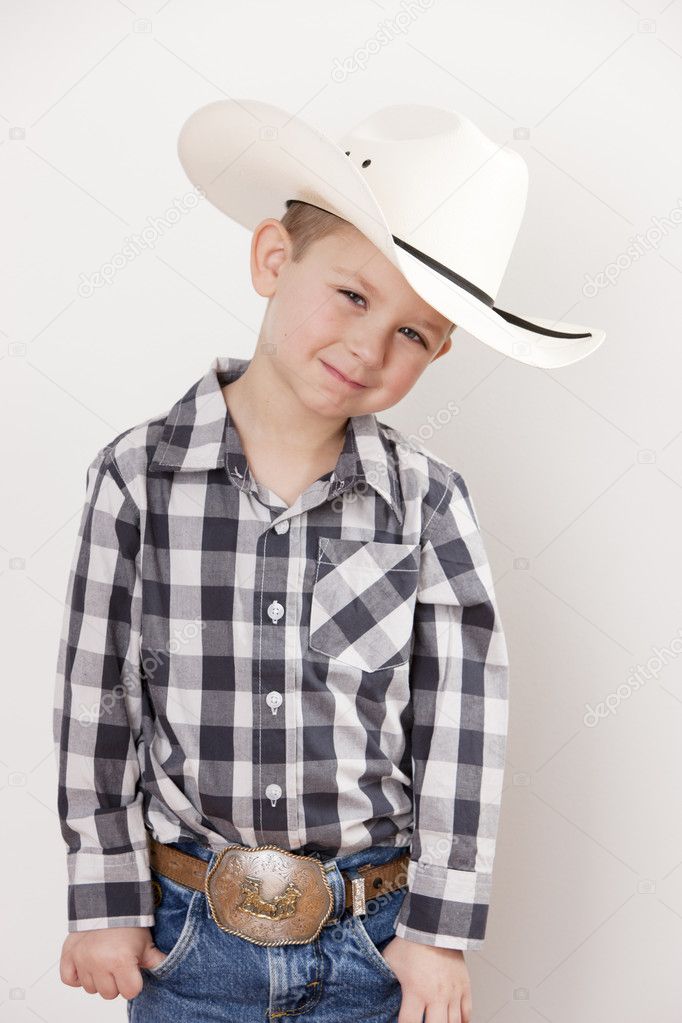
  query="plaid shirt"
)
[{"x": 325, "y": 677}]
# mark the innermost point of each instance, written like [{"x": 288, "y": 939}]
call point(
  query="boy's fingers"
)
[
  {"x": 128, "y": 981},
  {"x": 447, "y": 1012},
  {"x": 88, "y": 983},
  {"x": 411, "y": 1009},
  {"x": 465, "y": 1008},
  {"x": 106, "y": 985},
  {"x": 437, "y": 1013},
  {"x": 67, "y": 970}
]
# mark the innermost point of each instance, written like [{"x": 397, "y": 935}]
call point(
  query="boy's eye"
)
[
  {"x": 352, "y": 295},
  {"x": 417, "y": 336}
]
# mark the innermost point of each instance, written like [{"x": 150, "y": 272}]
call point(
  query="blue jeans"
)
[{"x": 209, "y": 975}]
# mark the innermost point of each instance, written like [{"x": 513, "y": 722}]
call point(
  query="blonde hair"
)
[{"x": 306, "y": 224}]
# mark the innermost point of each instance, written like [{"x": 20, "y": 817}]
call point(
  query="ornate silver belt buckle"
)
[{"x": 268, "y": 895}]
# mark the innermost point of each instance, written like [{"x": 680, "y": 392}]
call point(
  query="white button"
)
[
  {"x": 275, "y": 611},
  {"x": 273, "y": 792},
  {"x": 282, "y": 527},
  {"x": 274, "y": 700}
]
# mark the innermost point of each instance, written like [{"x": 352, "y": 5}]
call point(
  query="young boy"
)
[{"x": 282, "y": 689}]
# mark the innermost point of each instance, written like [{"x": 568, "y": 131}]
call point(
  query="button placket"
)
[{"x": 269, "y": 660}]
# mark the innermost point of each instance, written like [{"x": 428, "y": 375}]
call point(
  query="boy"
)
[{"x": 282, "y": 688}]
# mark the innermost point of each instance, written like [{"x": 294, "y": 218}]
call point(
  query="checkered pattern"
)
[
  {"x": 325, "y": 677},
  {"x": 363, "y": 601}
]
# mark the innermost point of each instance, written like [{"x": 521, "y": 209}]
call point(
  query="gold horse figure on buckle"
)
[{"x": 251, "y": 900}]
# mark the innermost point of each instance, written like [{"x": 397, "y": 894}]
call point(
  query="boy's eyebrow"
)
[{"x": 364, "y": 283}]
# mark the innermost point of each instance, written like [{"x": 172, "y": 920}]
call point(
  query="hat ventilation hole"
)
[{"x": 366, "y": 163}]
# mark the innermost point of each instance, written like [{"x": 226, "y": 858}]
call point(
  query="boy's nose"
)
[{"x": 370, "y": 348}]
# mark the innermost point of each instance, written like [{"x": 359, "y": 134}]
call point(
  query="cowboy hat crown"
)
[{"x": 442, "y": 201}]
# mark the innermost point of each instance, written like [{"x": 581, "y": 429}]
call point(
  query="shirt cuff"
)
[
  {"x": 109, "y": 890},
  {"x": 443, "y": 907}
]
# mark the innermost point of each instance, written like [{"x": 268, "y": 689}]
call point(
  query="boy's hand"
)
[
  {"x": 434, "y": 981},
  {"x": 108, "y": 961}
]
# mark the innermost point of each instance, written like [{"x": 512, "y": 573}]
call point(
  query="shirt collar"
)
[{"x": 199, "y": 434}]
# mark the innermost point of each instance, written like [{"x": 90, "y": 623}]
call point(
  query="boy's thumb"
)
[{"x": 152, "y": 956}]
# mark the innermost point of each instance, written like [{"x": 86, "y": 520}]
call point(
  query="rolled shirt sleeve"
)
[
  {"x": 97, "y": 713},
  {"x": 459, "y": 685}
]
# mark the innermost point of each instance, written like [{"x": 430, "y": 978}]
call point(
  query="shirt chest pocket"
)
[{"x": 362, "y": 606}]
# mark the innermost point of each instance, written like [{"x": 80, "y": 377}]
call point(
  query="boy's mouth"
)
[{"x": 339, "y": 376}]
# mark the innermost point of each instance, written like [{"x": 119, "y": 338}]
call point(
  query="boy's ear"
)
[{"x": 446, "y": 346}]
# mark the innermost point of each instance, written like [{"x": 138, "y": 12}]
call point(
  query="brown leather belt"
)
[{"x": 273, "y": 896}]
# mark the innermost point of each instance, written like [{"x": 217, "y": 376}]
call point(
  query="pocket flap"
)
[{"x": 372, "y": 557}]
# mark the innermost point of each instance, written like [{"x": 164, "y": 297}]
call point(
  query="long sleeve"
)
[
  {"x": 97, "y": 713},
  {"x": 459, "y": 685}
]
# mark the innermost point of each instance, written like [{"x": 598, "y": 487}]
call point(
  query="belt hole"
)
[{"x": 377, "y": 882}]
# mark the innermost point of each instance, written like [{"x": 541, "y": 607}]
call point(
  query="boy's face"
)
[{"x": 322, "y": 321}]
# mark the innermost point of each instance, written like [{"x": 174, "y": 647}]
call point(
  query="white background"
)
[{"x": 576, "y": 473}]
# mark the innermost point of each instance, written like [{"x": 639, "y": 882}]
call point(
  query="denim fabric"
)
[{"x": 210, "y": 975}]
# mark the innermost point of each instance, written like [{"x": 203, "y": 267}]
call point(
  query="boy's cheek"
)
[{"x": 396, "y": 381}]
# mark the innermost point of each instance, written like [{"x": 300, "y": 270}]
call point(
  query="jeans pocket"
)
[
  {"x": 176, "y": 921},
  {"x": 376, "y": 929}
]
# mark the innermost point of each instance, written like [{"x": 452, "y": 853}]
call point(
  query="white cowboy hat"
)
[{"x": 439, "y": 198}]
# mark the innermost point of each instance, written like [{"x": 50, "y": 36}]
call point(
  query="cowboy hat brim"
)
[
  {"x": 249, "y": 157},
  {"x": 535, "y": 345}
]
